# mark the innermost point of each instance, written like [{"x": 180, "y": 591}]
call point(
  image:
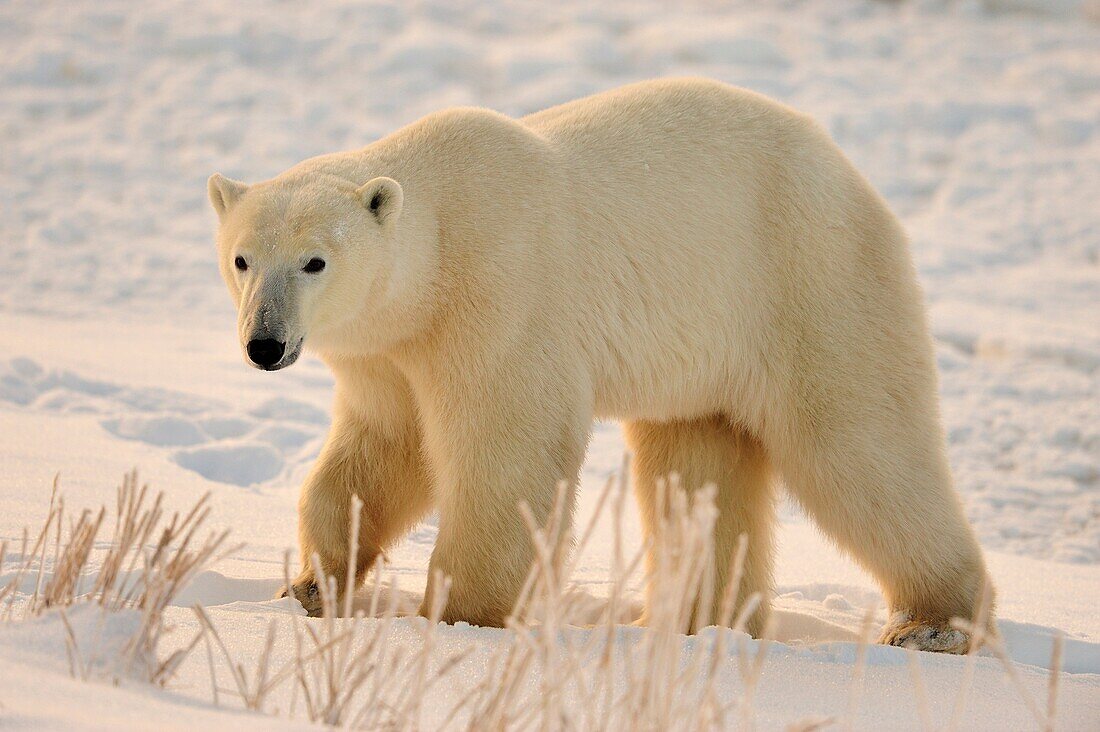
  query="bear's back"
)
[{"x": 652, "y": 115}]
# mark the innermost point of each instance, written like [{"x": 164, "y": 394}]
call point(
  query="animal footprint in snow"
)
[
  {"x": 239, "y": 449},
  {"x": 286, "y": 438},
  {"x": 240, "y": 464},
  {"x": 226, "y": 428},
  {"x": 164, "y": 431},
  {"x": 17, "y": 381},
  {"x": 283, "y": 410}
]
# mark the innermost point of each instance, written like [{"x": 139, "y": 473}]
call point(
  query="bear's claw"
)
[
  {"x": 309, "y": 595},
  {"x": 907, "y": 632}
]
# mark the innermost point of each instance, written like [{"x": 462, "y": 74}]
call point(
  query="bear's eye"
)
[
  {"x": 314, "y": 265},
  {"x": 240, "y": 264}
]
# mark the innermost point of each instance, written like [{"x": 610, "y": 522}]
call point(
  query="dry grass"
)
[
  {"x": 149, "y": 558},
  {"x": 981, "y": 638},
  {"x": 551, "y": 669},
  {"x": 345, "y": 672},
  {"x": 550, "y": 672}
]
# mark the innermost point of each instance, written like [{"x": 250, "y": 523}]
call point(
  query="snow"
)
[{"x": 979, "y": 122}]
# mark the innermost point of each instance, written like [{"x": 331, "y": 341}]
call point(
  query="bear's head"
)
[{"x": 317, "y": 260}]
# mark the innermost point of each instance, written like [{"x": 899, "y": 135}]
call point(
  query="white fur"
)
[{"x": 691, "y": 258}]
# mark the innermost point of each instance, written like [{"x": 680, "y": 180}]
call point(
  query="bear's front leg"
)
[
  {"x": 373, "y": 452},
  {"x": 491, "y": 450}
]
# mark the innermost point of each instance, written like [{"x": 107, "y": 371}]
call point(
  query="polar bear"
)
[{"x": 695, "y": 260}]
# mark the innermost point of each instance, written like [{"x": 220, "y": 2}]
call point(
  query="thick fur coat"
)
[{"x": 695, "y": 260}]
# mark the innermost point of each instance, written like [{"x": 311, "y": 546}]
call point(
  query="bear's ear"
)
[
  {"x": 382, "y": 197},
  {"x": 224, "y": 192}
]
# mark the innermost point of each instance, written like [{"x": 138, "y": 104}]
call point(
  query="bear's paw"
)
[
  {"x": 906, "y": 631},
  {"x": 306, "y": 593}
]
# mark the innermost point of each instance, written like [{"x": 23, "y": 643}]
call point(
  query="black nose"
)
[{"x": 265, "y": 351}]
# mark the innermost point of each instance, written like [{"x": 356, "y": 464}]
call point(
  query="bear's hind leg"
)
[
  {"x": 892, "y": 508},
  {"x": 712, "y": 451}
]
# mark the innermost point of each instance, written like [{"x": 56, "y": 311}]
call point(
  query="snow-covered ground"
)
[{"x": 979, "y": 121}]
